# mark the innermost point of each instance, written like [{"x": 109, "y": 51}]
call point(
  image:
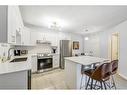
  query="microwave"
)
[{"x": 20, "y": 52}]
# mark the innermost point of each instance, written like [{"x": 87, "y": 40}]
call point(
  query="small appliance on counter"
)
[
  {"x": 20, "y": 52},
  {"x": 54, "y": 48}
]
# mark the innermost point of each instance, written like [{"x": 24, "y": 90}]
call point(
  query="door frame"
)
[{"x": 118, "y": 44}]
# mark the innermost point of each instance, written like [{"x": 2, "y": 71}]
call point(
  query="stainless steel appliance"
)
[
  {"x": 44, "y": 62},
  {"x": 43, "y": 42},
  {"x": 20, "y": 52},
  {"x": 65, "y": 51}
]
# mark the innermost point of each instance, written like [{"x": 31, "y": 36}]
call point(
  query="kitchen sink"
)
[{"x": 19, "y": 59}]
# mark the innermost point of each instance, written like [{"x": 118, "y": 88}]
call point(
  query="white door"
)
[{"x": 114, "y": 47}]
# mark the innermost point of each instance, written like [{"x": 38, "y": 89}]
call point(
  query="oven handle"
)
[{"x": 43, "y": 57}]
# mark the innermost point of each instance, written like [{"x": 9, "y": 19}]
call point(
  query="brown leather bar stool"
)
[
  {"x": 85, "y": 68},
  {"x": 114, "y": 64},
  {"x": 101, "y": 74}
]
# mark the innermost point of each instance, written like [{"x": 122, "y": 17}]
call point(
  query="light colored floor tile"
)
[
  {"x": 56, "y": 80},
  {"x": 49, "y": 80}
]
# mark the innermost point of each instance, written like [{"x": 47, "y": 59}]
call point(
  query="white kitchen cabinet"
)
[
  {"x": 52, "y": 38},
  {"x": 25, "y": 36},
  {"x": 19, "y": 26},
  {"x": 54, "y": 41},
  {"x": 15, "y": 24},
  {"x": 34, "y": 63},
  {"x": 19, "y": 21},
  {"x": 10, "y": 23},
  {"x": 56, "y": 61},
  {"x": 15, "y": 80},
  {"x": 33, "y": 37},
  {"x": 7, "y": 24}
]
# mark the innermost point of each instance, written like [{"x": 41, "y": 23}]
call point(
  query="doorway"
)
[{"x": 115, "y": 46}]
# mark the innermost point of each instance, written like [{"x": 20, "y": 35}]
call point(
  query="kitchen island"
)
[
  {"x": 73, "y": 69},
  {"x": 15, "y": 75}
]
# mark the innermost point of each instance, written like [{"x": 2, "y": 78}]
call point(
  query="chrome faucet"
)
[{"x": 9, "y": 56}]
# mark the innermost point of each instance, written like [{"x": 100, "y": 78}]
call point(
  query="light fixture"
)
[
  {"x": 55, "y": 26},
  {"x": 86, "y": 38},
  {"x": 54, "y": 23}
]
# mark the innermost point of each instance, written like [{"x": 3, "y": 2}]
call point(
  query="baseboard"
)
[{"x": 124, "y": 77}]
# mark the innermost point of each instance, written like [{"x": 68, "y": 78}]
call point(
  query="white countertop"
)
[
  {"x": 85, "y": 60},
  {"x": 8, "y": 67}
]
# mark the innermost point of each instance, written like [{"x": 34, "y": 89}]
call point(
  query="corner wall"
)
[{"x": 104, "y": 44}]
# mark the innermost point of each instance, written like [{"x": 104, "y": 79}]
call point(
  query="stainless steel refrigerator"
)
[{"x": 65, "y": 51}]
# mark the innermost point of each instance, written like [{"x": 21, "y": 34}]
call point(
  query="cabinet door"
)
[
  {"x": 3, "y": 24},
  {"x": 56, "y": 61},
  {"x": 33, "y": 37},
  {"x": 34, "y": 63},
  {"x": 25, "y": 36},
  {"x": 11, "y": 25},
  {"x": 19, "y": 21}
]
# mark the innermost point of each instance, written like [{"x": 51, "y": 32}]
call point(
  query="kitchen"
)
[{"x": 32, "y": 56}]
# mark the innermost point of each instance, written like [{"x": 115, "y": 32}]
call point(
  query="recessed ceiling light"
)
[{"x": 86, "y": 38}]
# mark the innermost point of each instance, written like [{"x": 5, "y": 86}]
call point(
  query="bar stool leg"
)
[
  {"x": 81, "y": 82},
  {"x": 113, "y": 82},
  {"x": 91, "y": 86},
  {"x": 95, "y": 84},
  {"x": 104, "y": 85},
  {"x": 87, "y": 83},
  {"x": 101, "y": 85},
  {"x": 85, "y": 80}
]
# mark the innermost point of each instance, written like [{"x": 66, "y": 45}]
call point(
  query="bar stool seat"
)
[
  {"x": 87, "y": 70},
  {"x": 101, "y": 74},
  {"x": 114, "y": 71}
]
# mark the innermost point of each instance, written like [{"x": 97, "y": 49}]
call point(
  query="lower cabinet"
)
[
  {"x": 34, "y": 63},
  {"x": 56, "y": 61},
  {"x": 16, "y": 80}
]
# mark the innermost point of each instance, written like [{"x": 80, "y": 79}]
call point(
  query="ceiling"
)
[{"x": 76, "y": 19}]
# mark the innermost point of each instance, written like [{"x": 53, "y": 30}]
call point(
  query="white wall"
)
[
  {"x": 92, "y": 44},
  {"x": 104, "y": 45},
  {"x": 122, "y": 29}
]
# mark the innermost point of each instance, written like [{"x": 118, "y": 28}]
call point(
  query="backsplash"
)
[{"x": 41, "y": 49}]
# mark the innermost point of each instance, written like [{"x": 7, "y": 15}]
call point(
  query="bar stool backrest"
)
[
  {"x": 101, "y": 72},
  {"x": 114, "y": 66}
]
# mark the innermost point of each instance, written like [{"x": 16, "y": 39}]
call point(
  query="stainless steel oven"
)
[{"x": 44, "y": 63}]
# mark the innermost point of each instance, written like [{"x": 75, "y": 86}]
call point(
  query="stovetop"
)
[{"x": 44, "y": 55}]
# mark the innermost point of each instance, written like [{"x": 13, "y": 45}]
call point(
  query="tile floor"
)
[
  {"x": 56, "y": 80},
  {"x": 49, "y": 80}
]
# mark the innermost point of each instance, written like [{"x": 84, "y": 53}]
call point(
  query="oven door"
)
[{"x": 44, "y": 63}]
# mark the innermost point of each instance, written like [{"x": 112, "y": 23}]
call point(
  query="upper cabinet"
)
[
  {"x": 11, "y": 24},
  {"x": 4, "y": 24},
  {"x": 12, "y": 29},
  {"x": 25, "y": 36}
]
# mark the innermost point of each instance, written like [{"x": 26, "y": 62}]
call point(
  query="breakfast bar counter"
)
[{"x": 73, "y": 69}]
